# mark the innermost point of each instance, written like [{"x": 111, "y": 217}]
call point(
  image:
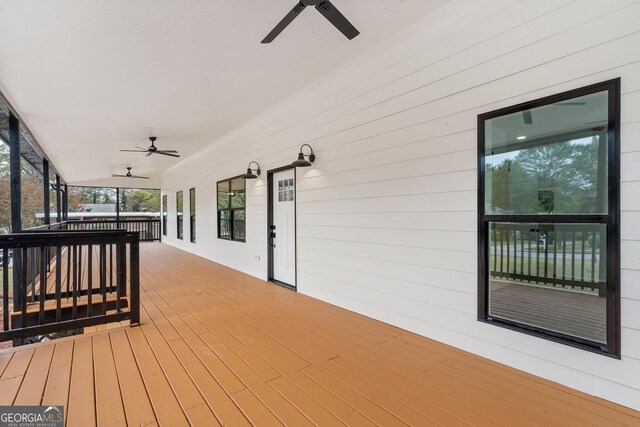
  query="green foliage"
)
[
  {"x": 31, "y": 189},
  {"x": 139, "y": 200}
]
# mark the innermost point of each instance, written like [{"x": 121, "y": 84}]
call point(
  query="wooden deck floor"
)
[
  {"x": 217, "y": 347},
  {"x": 579, "y": 314}
]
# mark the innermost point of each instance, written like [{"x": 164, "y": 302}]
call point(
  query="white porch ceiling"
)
[{"x": 92, "y": 77}]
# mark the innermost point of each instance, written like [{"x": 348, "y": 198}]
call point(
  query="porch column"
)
[
  {"x": 58, "y": 201},
  {"x": 45, "y": 187},
  {"x": 14, "y": 171},
  {"x": 65, "y": 203},
  {"x": 16, "y": 204}
]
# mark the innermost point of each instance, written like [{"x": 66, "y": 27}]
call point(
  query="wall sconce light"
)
[
  {"x": 302, "y": 162},
  {"x": 250, "y": 174}
]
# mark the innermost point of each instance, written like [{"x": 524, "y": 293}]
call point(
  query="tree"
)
[
  {"x": 31, "y": 190},
  {"x": 554, "y": 178}
]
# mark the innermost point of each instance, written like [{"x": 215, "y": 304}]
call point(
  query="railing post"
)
[{"x": 134, "y": 280}]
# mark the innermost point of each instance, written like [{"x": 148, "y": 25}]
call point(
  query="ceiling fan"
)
[
  {"x": 326, "y": 8},
  {"x": 152, "y": 149},
  {"x": 128, "y": 175}
]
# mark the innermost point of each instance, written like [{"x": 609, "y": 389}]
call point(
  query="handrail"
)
[
  {"x": 148, "y": 228},
  {"x": 570, "y": 257},
  {"x": 86, "y": 278}
]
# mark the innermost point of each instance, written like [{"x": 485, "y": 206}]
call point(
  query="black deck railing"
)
[
  {"x": 64, "y": 280},
  {"x": 147, "y": 229},
  {"x": 571, "y": 256}
]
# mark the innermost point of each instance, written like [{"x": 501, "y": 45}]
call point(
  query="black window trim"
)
[
  {"x": 180, "y": 218},
  {"x": 192, "y": 214},
  {"x": 165, "y": 214},
  {"x": 244, "y": 208},
  {"x": 612, "y": 220}
]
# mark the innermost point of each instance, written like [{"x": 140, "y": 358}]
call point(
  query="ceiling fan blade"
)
[
  {"x": 526, "y": 116},
  {"x": 167, "y": 154},
  {"x": 149, "y": 153},
  {"x": 284, "y": 23},
  {"x": 141, "y": 177},
  {"x": 118, "y": 176},
  {"x": 167, "y": 151},
  {"x": 135, "y": 151},
  {"x": 333, "y": 15}
]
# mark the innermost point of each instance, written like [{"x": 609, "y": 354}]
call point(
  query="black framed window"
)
[
  {"x": 192, "y": 215},
  {"x": 548, "y": 217},
  {"x": 231, "y": 209},
  {"x": 179, "y": 210},
  {"x": 164, "y": 215}
]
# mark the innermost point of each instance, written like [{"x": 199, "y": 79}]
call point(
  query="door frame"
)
[{"x": 270, "y": 222}]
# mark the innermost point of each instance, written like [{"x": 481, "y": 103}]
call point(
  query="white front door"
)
[{"x": 283, "y": 229}]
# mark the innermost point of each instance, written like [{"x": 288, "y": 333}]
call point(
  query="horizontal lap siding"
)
[{"x": 387, "y": 214}]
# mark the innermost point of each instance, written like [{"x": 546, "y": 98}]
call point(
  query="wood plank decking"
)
[{"x": 217, "y": 347}]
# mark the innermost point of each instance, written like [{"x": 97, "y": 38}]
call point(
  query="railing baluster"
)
[
  {"x": 564, "y": 254},
  {"x": 583, "y": 255},
  {"x": 89, "y": 280},
  {"x": 546, "y": 254},
  {"x": 508, "y": 231},
  {"x": 529, "y": 255},
  {"x": 24, "y": 288},
  {"x": 119, "y": 271},
  {"x": 58, "y": 283},
  {"x": 111, "y": 268},
  {"x": 521, "y": 251},
  {"x": 573, "y": 255},
  {"x": 103, "y": 276},
  {"x": 74, "y": 309},
  {"x": 43, "y": 284},
  {"x": 33, "y": 262},
  {"x": 501, "y": 251},
  {"x": 594, "y": 245},
  {"x": 68, "y": 271},
  {"x": 80, "y": 269},
  {"x": 495, "y": 248}
]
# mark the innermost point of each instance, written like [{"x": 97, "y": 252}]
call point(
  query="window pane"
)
[
  {"x": 179, "y": 210},
  {"x": 237, "y": 193},
  {"x": 238, "y": 224},
  {"x": 164, "y": 214},
  {"x": 223, "y": 195},
  {"x": 550, "y": 276},
  {"x": 192, "y": 214},
  {"x": 224, "y": 224},
  {"x": 548, "y": 160}
]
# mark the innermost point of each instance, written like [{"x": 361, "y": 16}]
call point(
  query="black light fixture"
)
[
  {"x": 250, "y": 174},
  {"x": 302, "y": 162}
]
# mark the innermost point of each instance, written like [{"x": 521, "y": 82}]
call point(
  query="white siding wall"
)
[{"x": 387, "y": 214}]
